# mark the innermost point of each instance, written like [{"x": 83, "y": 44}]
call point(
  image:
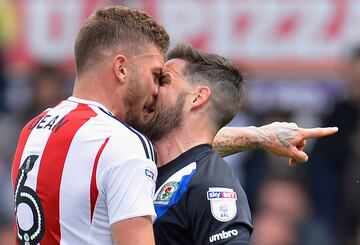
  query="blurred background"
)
[{"x": 302, "y": 63}]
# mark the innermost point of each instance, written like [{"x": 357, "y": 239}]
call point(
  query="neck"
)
[
  {"x": 100, "y": 89},
  {"x": 182, "y": 139}
]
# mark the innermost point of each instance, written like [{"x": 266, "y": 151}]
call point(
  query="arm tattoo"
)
[
  {"x": 284, "y": 136},
  {"x": 228, "y": 142}
]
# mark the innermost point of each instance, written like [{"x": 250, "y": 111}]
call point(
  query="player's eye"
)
[
  {"x": 161, "y": 81},
  {"x": 156, "y": 78},
  {"x": 164, "y": 79}
]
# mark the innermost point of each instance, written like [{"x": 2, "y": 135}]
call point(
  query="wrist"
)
[{"x": 262, "y": 137}]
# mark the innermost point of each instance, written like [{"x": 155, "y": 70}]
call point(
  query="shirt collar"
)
[{"x": 89, "y": 102}]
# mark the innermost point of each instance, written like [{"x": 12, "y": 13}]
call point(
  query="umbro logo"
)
[{"x": 223, "y": 235}]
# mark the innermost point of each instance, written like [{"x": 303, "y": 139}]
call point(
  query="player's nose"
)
[{"x": 156, "y": 90}]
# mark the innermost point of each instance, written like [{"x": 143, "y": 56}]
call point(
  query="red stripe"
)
[
  {"x": 93, "y": 187},
  {"x": 15, "y": 234},
  {"x": 24, "y": 135},
  {"x": 51, "y": 168}
]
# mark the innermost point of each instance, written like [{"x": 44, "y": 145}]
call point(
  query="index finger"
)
[{"x": 318, "y": 132}]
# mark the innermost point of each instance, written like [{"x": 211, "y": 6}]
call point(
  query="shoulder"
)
[
  {"x": 214, "y": 174},
  {"x": 212, "y": 169},
  {"x": 215, "y": 184},
  {"x": 123, "y": 139}
]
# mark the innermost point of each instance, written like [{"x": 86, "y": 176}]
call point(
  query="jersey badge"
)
[
  {"x": 222, "y": 203},
  {"x": 166, "y": 192}
]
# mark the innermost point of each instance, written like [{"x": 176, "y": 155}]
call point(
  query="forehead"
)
[
  {"x": 152, "y": 57},
  {"x": 175, "y": 66}
]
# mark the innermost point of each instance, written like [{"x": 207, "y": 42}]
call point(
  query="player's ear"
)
[
  {"x": 200, "y": 97},
  {"x": 119, "y": 68}
]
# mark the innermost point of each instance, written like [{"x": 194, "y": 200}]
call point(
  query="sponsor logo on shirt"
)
[
  {"x": 166, "y": 192},
  {"x": 222, "y": 203},
  {"x": 223, "y": 235},
  {"x": 221, "y": 195},
  {"x": 150, "y": 174}
]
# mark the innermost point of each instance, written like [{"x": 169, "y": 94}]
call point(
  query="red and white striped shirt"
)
[{"x": 76, "y": 171}]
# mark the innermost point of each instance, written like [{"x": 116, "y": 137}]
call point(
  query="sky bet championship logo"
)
[{"x": 222, "y": 203}]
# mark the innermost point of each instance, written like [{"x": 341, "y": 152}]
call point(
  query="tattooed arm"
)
[{"x": 279, "y": 138}]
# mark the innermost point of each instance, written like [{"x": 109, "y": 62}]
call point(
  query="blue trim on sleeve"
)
[{"x": 161, "y": 209}]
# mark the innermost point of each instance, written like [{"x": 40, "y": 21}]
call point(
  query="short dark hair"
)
[
  {"x": 116, "y": 26},
  {"x": 224, "y": 78}
]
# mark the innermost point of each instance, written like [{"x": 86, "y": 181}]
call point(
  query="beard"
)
[
  {"x": 132, "y": 115},
  {"x": 131, "y": 102},
  {"x": 168, "y": 117}
]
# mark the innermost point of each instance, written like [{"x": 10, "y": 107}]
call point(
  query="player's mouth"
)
[{"x": 148, "y": 110}]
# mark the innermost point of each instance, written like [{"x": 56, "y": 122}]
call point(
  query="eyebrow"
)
[
  {"x": 158, "y": 70},
  {"x": 171, "y": 70},
  {"x": 165, "y": 74}
]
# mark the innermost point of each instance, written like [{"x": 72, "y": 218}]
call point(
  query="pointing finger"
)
[{"x": 318, "y": 132}]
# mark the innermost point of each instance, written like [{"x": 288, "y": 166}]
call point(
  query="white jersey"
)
[{"x": 76, "y": 171}]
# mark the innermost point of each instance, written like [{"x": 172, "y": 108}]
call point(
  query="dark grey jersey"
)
[{"x": 199, "y": 200}]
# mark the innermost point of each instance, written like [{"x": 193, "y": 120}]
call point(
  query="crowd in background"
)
[
  {"x": 314, "y": 203},
  {"x": 318, "y": 202}
]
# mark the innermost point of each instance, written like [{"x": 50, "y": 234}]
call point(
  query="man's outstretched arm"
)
[{"x": 279, "y": 138}]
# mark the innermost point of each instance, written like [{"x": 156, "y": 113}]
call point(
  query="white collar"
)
[{"x": 89, "y": 102}]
